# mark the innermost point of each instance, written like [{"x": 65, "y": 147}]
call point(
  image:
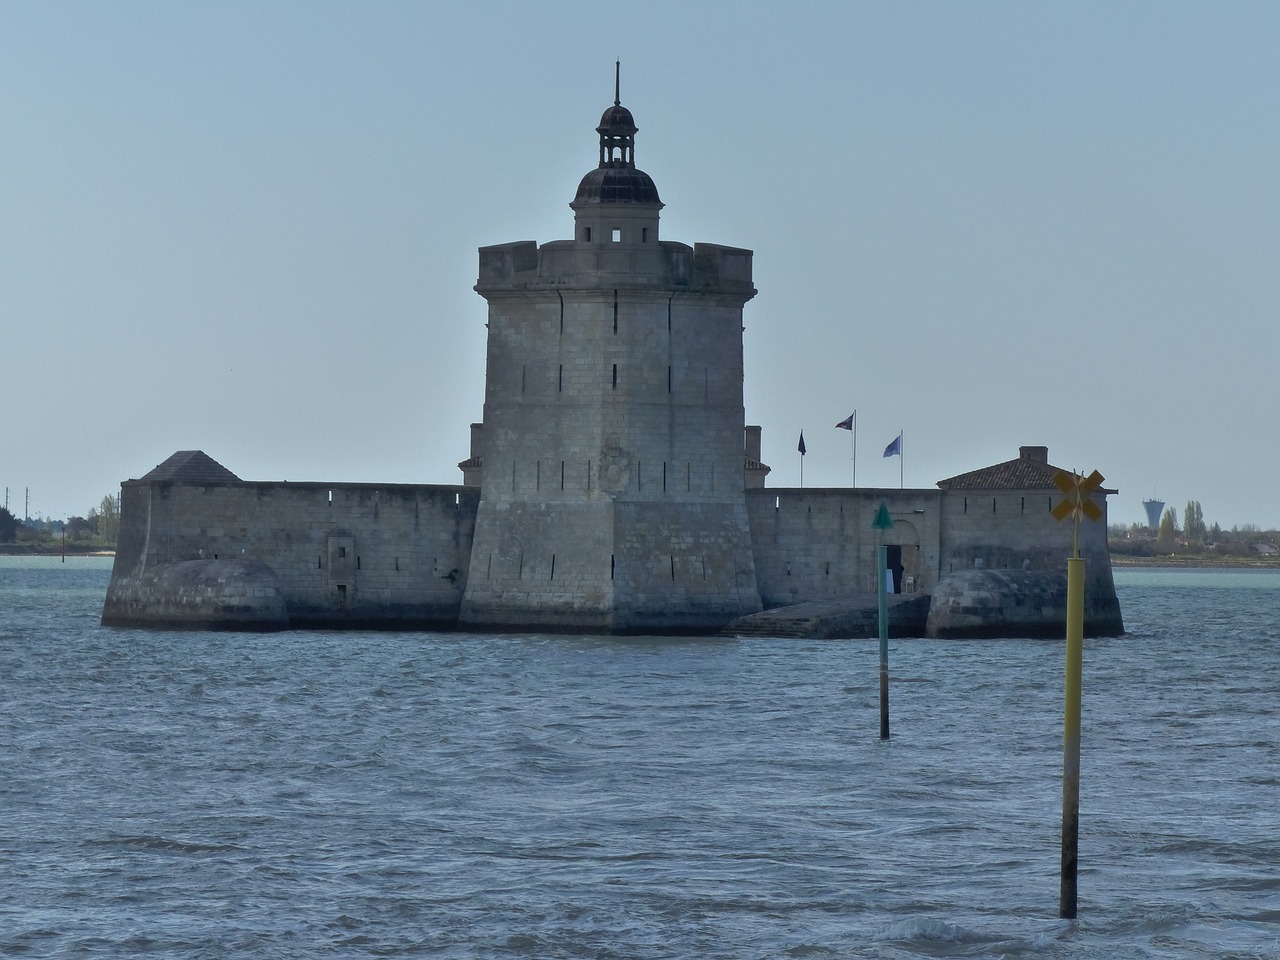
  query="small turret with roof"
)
[{"x": 616, "y": 202}]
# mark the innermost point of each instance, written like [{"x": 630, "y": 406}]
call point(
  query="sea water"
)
[{"x": 169, "y": 794}]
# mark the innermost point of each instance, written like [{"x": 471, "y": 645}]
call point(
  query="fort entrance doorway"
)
[{"x": 902, "y": 558}]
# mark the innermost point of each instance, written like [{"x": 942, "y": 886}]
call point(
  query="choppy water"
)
[{"x": 358, "y": 794}]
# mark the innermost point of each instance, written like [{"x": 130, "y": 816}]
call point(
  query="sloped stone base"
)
[
  {"x": 198, "y": 595},
  {"x": 1015, "y": 603}
]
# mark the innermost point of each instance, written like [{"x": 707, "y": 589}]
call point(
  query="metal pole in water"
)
[
  {"x": 1071, "y": 739},
  {"x": 882, "y": 595},
  {"x": 1077, "y": 503},
  {"x": 882, "y": 522}
]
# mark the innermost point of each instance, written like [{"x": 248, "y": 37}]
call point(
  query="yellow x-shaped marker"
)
[{"x": 1077, "y": 495}]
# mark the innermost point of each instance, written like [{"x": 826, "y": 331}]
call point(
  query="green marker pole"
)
[
  {"x": 882, "y": 595},
  {"x": 882, "y": 522},
  {"x": 1071, "y": 739}
]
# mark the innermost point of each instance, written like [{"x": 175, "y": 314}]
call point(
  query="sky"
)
[{"x": 250, "y": 228}]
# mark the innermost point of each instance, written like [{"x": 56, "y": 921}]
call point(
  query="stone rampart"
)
[
  {"x": 383, "y": 555},
  {"x": 994, "y": 561},
  {"x": 245, "y": 555},
  {"x": 820, "y": 543},
  {"x": 1003, "y": 566}
]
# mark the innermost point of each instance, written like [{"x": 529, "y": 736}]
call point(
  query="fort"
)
[{"x": 613, "y": 484}]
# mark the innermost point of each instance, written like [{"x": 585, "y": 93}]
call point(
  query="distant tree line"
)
[
  {"x": 100, "y": 529},
  {"x": 1192, "y": 538},
  {"x": 8, "y": 526}
]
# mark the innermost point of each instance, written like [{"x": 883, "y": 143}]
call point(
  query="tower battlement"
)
[{"x": 704, "y": 267}]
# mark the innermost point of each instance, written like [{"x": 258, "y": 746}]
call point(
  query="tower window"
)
[
  {"x": 615, "y": 235},
  {"x": 586, "y": 234},
  {"x": 644, "y": 234}
]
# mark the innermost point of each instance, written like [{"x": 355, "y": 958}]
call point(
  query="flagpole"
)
[
  {"x": 901, "y": 460},
  {"x": 855, "y": 448}
]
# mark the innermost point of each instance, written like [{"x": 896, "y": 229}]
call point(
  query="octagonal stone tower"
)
[{"x": 612, "y": 462}]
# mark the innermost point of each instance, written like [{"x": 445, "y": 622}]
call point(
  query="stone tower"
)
[{"x": 611, "y": 454}]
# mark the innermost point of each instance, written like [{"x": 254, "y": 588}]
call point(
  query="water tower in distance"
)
[{"x": 1155, "y": 510}]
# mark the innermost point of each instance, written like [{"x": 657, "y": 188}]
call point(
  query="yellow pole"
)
[{"x": 1071, "y": 739}]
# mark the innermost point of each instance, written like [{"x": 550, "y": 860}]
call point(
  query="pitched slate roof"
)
[
  {"x": 1030, "y": 471},
  {"x": 1021, "y": 474},
  {"x": 192, "y": 466}
]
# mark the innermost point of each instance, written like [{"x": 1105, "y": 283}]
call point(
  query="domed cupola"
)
[
  {"x": 616, "y": 181},
  {"x": 617, "y": 137}
]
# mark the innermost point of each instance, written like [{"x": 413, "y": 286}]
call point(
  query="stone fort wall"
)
[
  {"x": 341, "y": 553},
  {"x": 387, "y": 555},
  {"x": 818, "y": 544},
  {"x": 1015, "y": 530}
]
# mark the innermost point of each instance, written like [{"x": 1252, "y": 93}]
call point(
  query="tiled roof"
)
[
  {"x": 1022, "y": 473},
  {"x": 192, "y": 466}
]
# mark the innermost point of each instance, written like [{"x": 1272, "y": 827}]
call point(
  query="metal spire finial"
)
[{"x": 617, "y": 83}]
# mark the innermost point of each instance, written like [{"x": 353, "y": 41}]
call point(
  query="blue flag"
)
[
  {"x": 847, "y": 422},
  {"x": 801, "y": 446},
  {"x": 894, "y": 449}
]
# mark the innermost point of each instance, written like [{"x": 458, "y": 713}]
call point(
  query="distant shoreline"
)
[
  {"x": 1193, "y": 561},
  {"x": 1117, "y": 560},
  {"x": 52, "y": 550}
]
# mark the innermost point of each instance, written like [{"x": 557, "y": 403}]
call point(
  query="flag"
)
[
  {"x": 894, "y": 449},
  {"x": 801, "y": 446},
  {"x": 847, "y": 422}
]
